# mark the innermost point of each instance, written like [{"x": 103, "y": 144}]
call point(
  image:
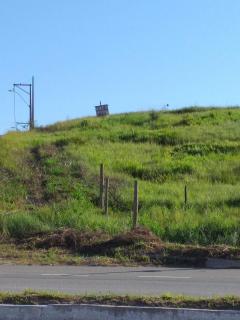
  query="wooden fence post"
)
[
  {"x": 101, "y": 200},
  {"x": 135, "y": 205},
  {"x": 106, "y": 196},
  {"x": 185, "y": 196}
]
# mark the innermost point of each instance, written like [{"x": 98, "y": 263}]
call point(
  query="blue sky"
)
[{"x": 132, "y": 54}]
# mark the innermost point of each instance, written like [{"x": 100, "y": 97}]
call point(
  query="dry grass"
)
[{"x": 138, "y": 247}]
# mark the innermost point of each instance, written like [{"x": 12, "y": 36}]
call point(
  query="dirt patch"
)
[
  {"x": 133, "y": 245},
  {"x": 6, "y": 174},
  {"x": 136, "y": 246},
  {"x": 140, "y": 238},
  {"x": 49, "y": 178},
  {"x": 68, "y": 239},
  {"x": 36, "y": 183}
]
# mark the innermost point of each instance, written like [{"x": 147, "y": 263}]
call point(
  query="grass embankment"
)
[
  {"x": 49, "y": 177},
  {"x": 167, "y": 300}
]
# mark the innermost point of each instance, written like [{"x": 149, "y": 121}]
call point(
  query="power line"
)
[
  {"x": 14, "y": 109},
  {"x": 15, "y": 92}
]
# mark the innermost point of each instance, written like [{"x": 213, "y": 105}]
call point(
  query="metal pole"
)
[
  {"x": 33, "y": 116},
  {"x": 101, "y": 186},
  {"x": 30, "y": 107},
  {"x": 106, "y": 195},
  {"x": 30, "y": 92},
  {"x": 135, "y": 205},
  {"x": 185, "y": 195}
]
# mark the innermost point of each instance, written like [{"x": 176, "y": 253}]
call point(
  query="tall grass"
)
[{"x": 49, "y": 177}]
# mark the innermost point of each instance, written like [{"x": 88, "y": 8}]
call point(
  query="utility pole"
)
[
  {"x": 32, "y": 104},
  {"x": 27, "y": 88}
]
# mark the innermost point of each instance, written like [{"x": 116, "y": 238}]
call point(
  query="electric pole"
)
[
  {"x": 27, "y": 88},
  {"x": 32, "y": 105}
]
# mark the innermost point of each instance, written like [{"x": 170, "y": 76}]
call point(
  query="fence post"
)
[
  {"x": 106, "y": 195},
  {"x": 135, "y": 205},
  {"x": 101, "y": 200},
  {"x": 185, "y": 196}
]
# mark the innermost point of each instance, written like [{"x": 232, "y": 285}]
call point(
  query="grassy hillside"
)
[{"x": 49, "y": 177}]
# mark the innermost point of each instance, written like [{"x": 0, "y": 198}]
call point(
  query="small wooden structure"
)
[{"x": 102, "y": 110}]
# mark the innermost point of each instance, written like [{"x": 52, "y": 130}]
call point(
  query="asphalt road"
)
[{"x": 120, "y": 280}]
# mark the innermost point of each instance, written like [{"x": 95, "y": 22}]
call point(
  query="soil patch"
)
[
  {"x": 65, "y": 238},
  {"x": 138, "y": 246},
  {"x": 36, "y": 183}
]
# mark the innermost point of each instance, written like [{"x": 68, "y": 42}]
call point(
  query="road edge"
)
[
  {"x": 219, "y": 263},
  {"x": 107, "y": 312}
]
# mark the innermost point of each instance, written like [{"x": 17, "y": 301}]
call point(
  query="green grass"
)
[
  {"x": 30, "y": 297},
  {"x": 49, "y": 177}
]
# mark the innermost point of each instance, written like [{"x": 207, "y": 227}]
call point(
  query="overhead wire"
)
[
  {"x": 14, "y": 104},
  {"x": 21, "y": 97},
  {"x": 14, "y": 108}
]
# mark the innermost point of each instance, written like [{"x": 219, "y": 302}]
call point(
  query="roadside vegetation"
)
[
  {"x": 138, "y": 246},
  {"x": 30, "y": 297},
  {"x": 49, "y": 178}
]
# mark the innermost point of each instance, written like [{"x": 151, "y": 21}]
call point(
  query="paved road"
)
[{"x": 120, "y": 280}]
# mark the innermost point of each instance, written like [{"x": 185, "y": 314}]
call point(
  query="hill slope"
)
[{"x": 49, "y": 177}]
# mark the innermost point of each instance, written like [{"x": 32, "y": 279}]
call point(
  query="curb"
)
[
  {"x": 217, "y": 263},
  {"x": 202, "y": 262},
  {"x": 103, "y": 312}
]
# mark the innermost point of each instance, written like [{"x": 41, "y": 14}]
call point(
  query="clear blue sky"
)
[{"x": 132, "y": 54}]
